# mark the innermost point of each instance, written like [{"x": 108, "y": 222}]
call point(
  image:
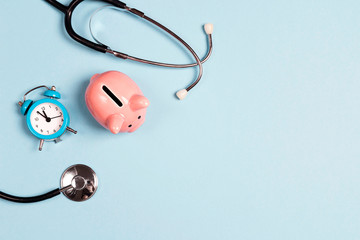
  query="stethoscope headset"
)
[{"x": 99, "y": 46}]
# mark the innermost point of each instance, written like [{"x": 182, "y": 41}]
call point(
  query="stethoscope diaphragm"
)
[{"x": 83, "y": 182}]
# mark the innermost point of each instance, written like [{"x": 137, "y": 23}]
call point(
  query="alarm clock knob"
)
[{"x": 25, "y": 106}]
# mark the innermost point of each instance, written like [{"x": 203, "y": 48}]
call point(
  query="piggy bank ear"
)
[
  {"x": 114, "y": 123},
  {"x": 138, "y": 102}
]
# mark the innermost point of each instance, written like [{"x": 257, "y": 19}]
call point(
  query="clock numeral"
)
[
  {"x": 62, "y": 119},
  {"x": 54, "y": 131},
  {"x": 41, "y": 130},
  {"x": 37, "y": 126},
  {"x": 56, "y": 108},
  {"x": 48, "y": 131},
  {"x": 60, "y": 113},
  {"x": 36, "y": 119},
  {"x": 59, "y": 125},
  {"x": 49, "y": 106},
  {"x": 43, "y": 108}
]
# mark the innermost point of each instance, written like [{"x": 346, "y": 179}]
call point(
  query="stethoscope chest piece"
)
[{"x": 79, "y": 183}]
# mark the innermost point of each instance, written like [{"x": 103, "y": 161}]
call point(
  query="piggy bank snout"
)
[{"x": 114, "y": 123}]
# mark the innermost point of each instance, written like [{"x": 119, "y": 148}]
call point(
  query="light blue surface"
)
[{"x": 265, "y": 147}]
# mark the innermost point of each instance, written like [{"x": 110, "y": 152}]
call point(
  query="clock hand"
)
[
  {"x": 45, "y": 114},
  {"x": 46, "y": 117},
  {"x": 41, "y": 114},
  {"x": 56, "y": 117}
]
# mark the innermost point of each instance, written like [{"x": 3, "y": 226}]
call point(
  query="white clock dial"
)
[{"x": 47, "y": 118}]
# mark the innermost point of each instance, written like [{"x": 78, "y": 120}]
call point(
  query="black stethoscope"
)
[
  {"x": 78, "y": 183},
  {"x": 98, "y": 46}
]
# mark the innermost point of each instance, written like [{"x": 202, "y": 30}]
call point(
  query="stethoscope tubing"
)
[
  {"x": 198, "y": 61},
  {"x": 162, "y": 64},
  {"x": 203, "y": 60},
  {"x": 33, "y": 199}
]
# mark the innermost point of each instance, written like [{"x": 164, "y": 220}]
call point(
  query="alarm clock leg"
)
[
  {"x": 41, "y": 144},
  {"x": 71, "y": 130}
]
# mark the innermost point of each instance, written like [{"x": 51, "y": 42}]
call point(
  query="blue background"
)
[{"x": 265, "y": 147}]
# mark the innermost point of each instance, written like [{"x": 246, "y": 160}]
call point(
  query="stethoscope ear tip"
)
[
  {"x": 209, "y": 28},
  {"x": 181, "y": 94}
]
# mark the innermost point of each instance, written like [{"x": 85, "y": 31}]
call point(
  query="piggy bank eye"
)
[
  {"x": 139, "y": 117},
  {"x": 130, "y": 125}
]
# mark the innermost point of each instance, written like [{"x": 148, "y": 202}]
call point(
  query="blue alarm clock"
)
[{"x": 47, "y": 119}]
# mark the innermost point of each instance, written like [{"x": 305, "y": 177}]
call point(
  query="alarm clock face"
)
[{"x": 47, "y": 119}]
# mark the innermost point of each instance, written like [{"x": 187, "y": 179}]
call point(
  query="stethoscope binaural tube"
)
[
  {"x": 98, "y": 46},
  {"x": 78, "y": 183}
]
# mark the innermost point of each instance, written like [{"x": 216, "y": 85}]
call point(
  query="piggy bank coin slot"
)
[{"x": 112, "y": 96}]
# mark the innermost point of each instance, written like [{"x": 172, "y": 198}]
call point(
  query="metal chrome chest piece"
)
[
  {"x": 79, "y": 183},
  {"x": 47, "y": 119}
]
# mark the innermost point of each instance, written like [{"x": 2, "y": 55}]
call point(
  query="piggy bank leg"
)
[{"x": 114, "y": 123}]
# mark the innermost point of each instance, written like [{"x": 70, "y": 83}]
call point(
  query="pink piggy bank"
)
[{"x": 116, "y": 102}]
